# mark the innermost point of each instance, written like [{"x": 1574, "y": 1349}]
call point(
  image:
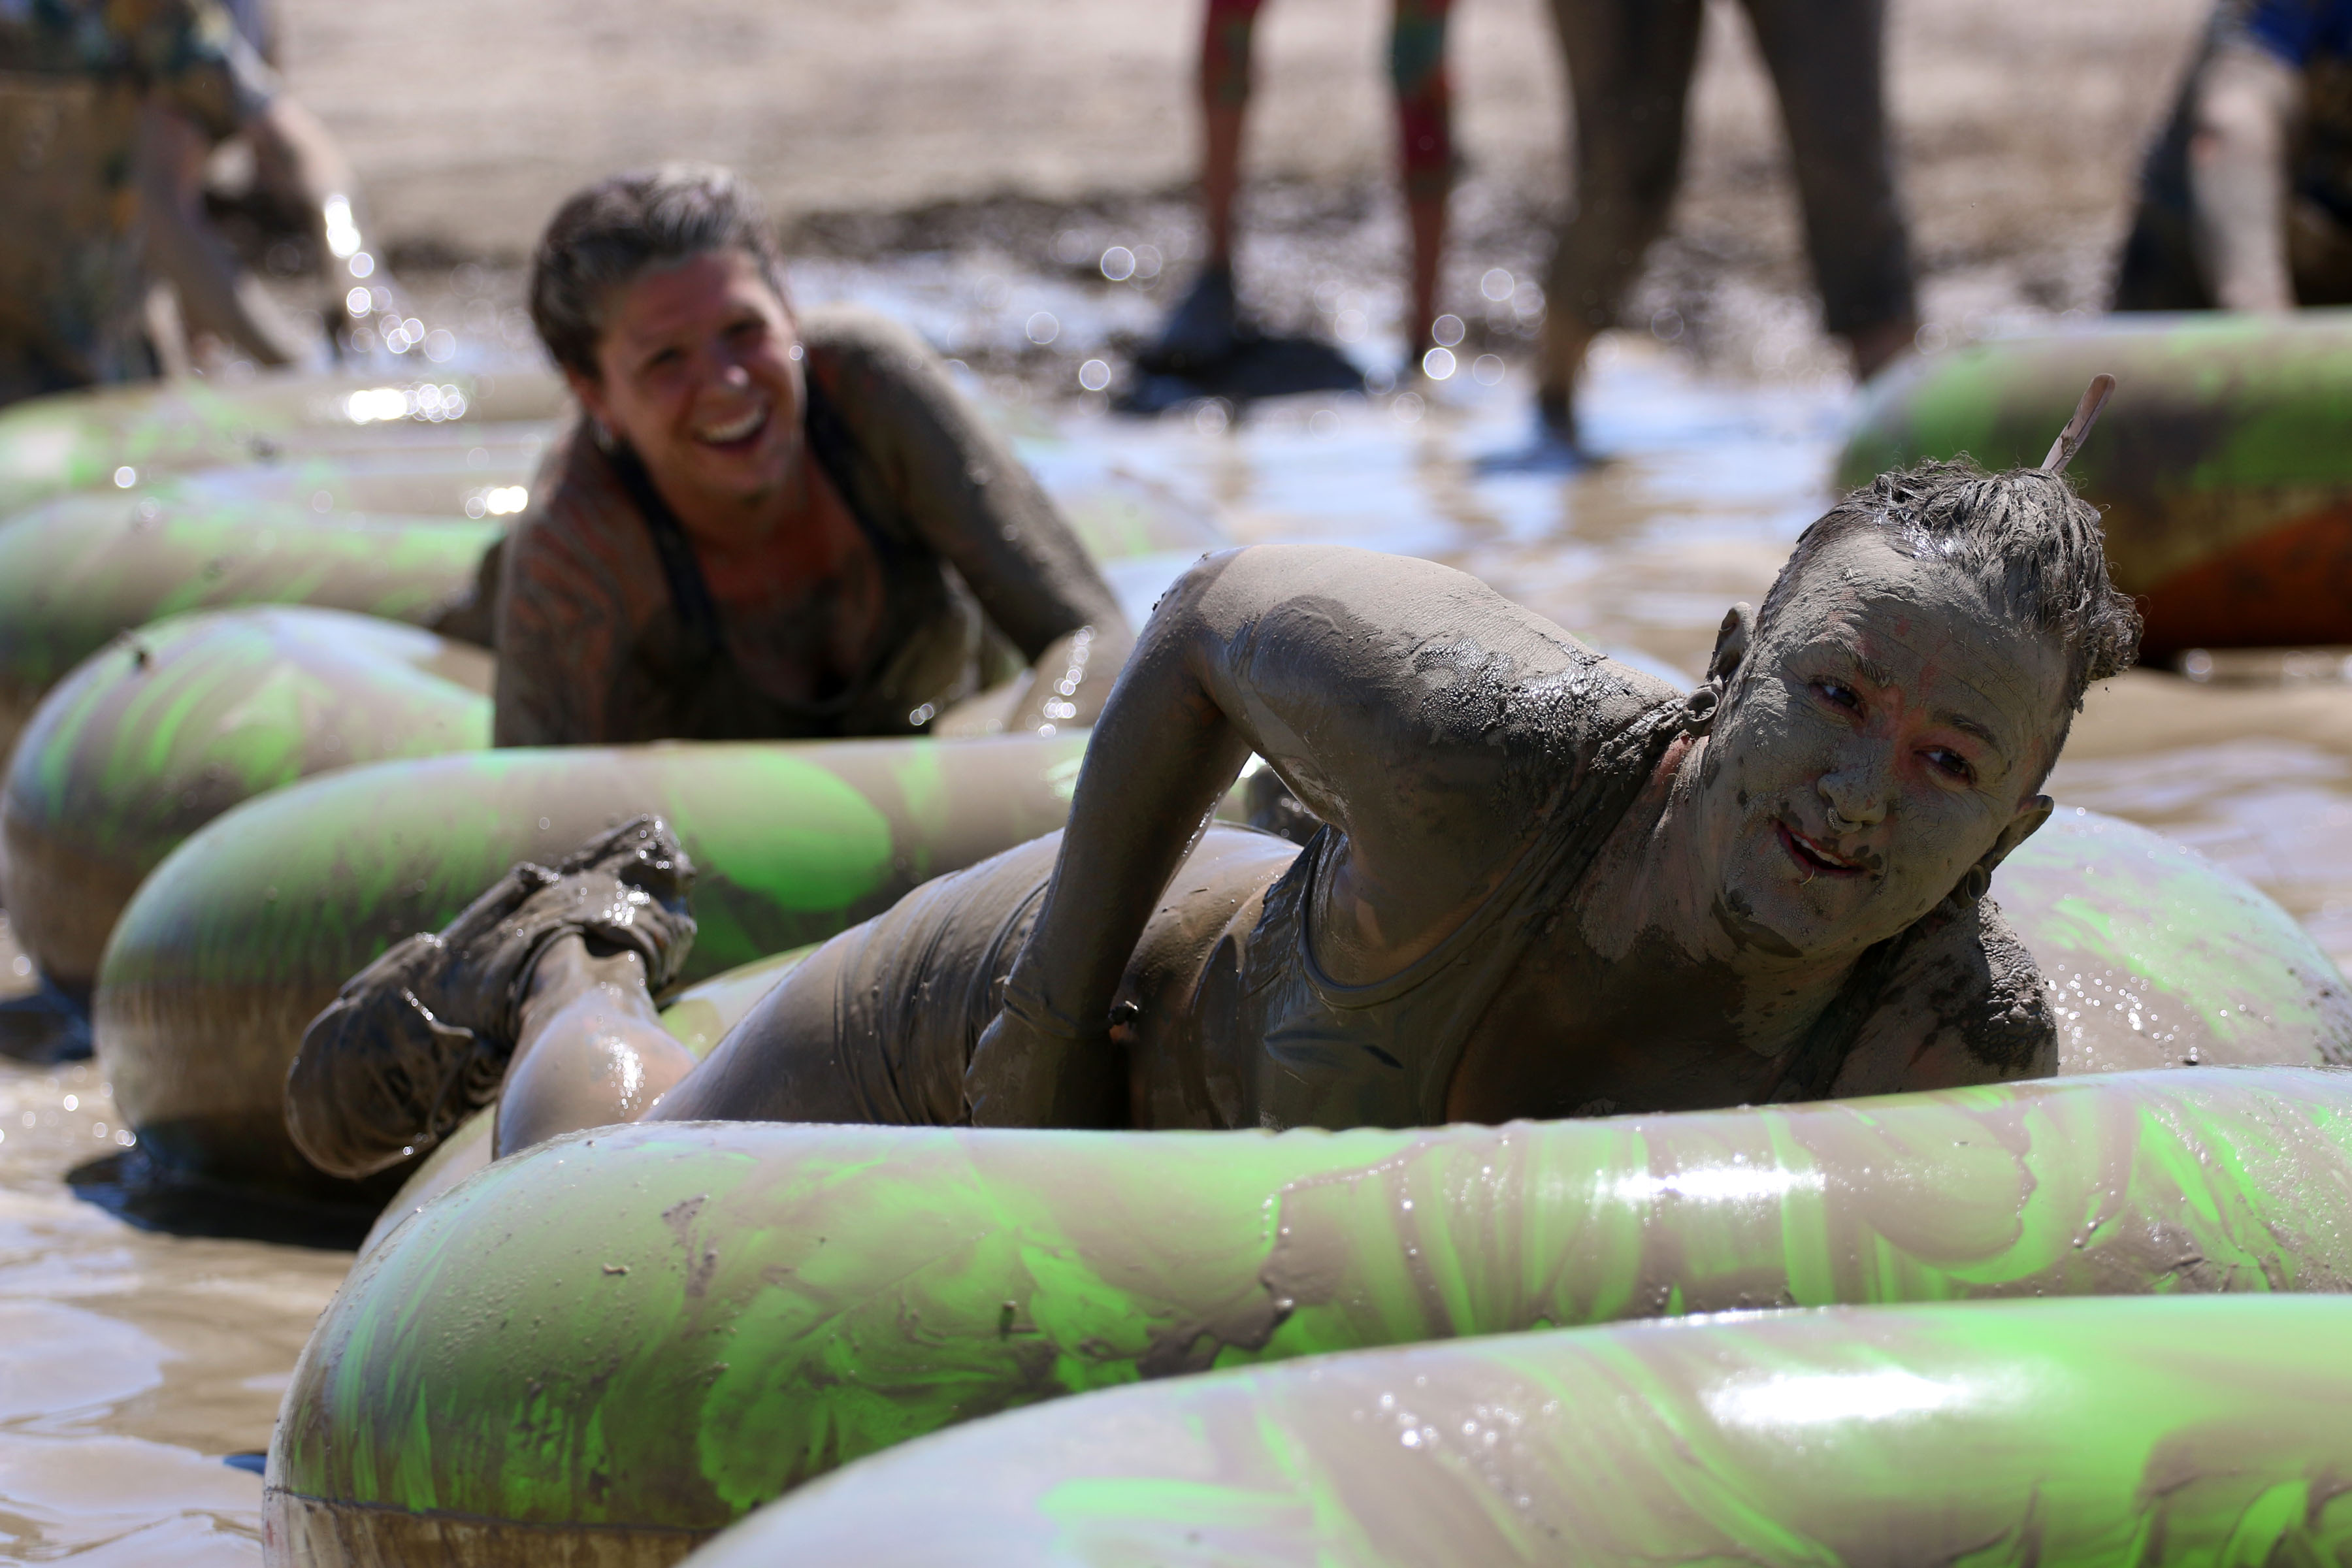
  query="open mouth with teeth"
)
[
  {"x": 734, "y": 435},
  {"x": 1812, "y": 859}
]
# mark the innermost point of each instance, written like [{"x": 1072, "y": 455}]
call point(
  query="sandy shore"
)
[{"x": 2020, "y": 123}]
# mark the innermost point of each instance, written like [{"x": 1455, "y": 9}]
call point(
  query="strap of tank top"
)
[
  {"x": 689, "y": 591},
  {"x": 1587, "y": 815},
  {"x": 836, "y": 451},
  {"x": 1584, "y": 816}
]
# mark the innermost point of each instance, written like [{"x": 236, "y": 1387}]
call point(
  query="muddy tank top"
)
[
  {"x": 1383, "y": 1055},
  {"x": 931, "y": 622}
]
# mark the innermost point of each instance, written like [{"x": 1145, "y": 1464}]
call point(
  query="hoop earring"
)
[{"x": 1699, "y": 710}]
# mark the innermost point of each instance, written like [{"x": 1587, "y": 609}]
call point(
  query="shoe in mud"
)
[
  {"x": 1556, "y": 417},
  {"x": 1204, "y": 331},
  {"x": 420, "y": 1040}
]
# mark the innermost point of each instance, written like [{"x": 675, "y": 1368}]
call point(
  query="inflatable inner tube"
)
[
  {"x": 2221, "y": 463},
  {"x": 78, "y": 440},
  {"x": 243, "y": 934},
  {"x": 2160, "y": 1431},
  {"x": 629, "y": 1337},
  {"x": 77, "y": 573},
  {"x": 179, "y": 721}
]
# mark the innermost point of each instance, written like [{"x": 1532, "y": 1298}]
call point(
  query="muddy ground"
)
[{"x": 998, "y": 124}]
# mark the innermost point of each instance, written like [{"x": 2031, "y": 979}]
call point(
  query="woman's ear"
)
[
  {"x": 588, "y": 391},
  {"x": 2031, "y": 813},
  {"x": 1731, "y": 644},
  {"x": 589, "y": 394},
  {"x": 1730, "y": 648}
]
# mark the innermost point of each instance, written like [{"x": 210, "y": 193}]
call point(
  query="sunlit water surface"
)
[{"x": 140, "y": 1370}]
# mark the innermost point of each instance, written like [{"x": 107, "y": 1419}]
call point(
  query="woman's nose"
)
[{"x": 1856, "y": 792}]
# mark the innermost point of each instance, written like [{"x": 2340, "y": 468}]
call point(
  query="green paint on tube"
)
[{"x": 797, "y": 1297}]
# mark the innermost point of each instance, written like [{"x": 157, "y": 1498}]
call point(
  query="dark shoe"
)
[
  {"x": 419, "y": 1040},
  {"x": 1203, "y": 331},
  {"x": 1557, "y": 415}
]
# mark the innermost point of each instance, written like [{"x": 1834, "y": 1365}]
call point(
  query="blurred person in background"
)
[
  {"x": 2246, "y": 197},
  {"x": 764, "y": 527},
  {"x": 1628, "y": 65},
  {"x": 1205, "y": 328},
  {"x": 105, "y": 108}
]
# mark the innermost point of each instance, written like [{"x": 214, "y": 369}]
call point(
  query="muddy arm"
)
[
  {"x": 975, "y": 503},
  {"x": 216, "y": 293},
  {"x": 1407, "y": 704},
  {"x": 2247, "y": 100},
  {"x": 206, "y": 85}
]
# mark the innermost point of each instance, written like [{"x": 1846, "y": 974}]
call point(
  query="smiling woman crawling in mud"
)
[{"x": 1548, "y": 885}]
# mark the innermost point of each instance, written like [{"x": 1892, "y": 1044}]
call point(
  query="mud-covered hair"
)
[
  {"x": 2024, "y": 536},
  {"x": 606, "y": 237}
]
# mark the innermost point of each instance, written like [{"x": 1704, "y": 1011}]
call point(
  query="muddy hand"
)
[{"x": 1022, "y": 1075}]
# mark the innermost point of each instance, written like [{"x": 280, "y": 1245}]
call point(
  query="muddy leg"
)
[
  {"x": 1425, "y": 136},
  {"x": 590, "y": 1050},
  {"x": 1629, "y": 67},
  {"x": 1205, "y": 328},
  {"x": 1225, "y": 37},
  {"x": 1828, "y": 63}
]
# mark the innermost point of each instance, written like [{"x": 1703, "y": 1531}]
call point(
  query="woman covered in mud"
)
[
  {"x": 764, "y": 527},
  {"x": 1548, "y": 885}
]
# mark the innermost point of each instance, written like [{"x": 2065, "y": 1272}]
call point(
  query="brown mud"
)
[{"x": 145, "y": 1359}]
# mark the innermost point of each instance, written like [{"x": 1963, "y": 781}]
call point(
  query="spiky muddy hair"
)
[{"x": 2034, "y": 545}]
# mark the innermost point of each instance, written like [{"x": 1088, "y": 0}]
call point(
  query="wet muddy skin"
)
[{"x": 142, "y": 1362}]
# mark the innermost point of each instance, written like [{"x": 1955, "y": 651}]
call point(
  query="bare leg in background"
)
[
  {"x": 1203, "y": 327},
  {"x": 1630, "y": 64}
]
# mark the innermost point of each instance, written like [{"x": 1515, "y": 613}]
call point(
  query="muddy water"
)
[{"x": 140, "y": 1367}]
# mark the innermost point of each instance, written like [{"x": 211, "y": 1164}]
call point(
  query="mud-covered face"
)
[
  {"x": 1878, "y": 741},
  {"x": 699, "y": 372}
]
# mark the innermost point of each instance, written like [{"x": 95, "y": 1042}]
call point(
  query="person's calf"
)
[{"x": 591, "y": 1050}]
